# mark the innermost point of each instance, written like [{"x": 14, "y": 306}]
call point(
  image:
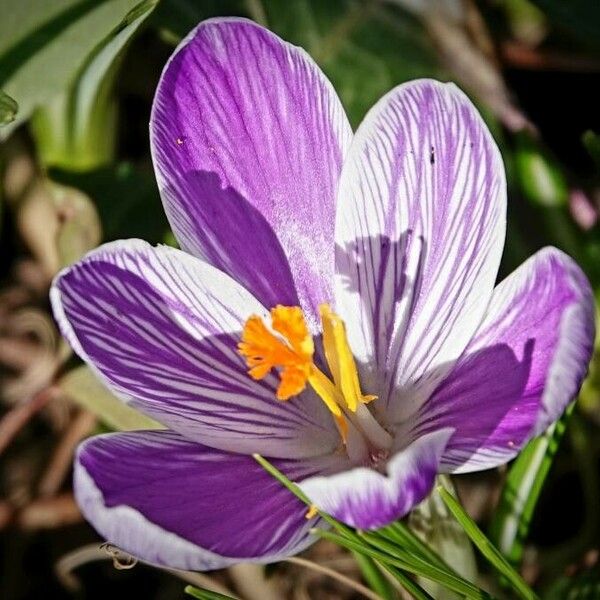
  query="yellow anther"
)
[
  {"x": 312, "y": 512},
  {"x": 340, "y": 359}
]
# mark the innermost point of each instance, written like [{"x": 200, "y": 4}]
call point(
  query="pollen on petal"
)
[{"x": 312, "y": 512}]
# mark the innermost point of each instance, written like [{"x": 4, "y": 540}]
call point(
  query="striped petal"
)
[
  {"x": 175, "y": 503},
  {"x": 248, "y": 138},
  {"x": 524, "y": 365},
  {"x": 161, "y": 328},
  {"x": 367, "y": 499},
  {"x": 418, "y": 238}
]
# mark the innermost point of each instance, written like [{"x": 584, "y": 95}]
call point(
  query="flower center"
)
[{"x": 288, "y": 347}]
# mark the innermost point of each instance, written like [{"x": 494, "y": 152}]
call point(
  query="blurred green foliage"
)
[
  {"x": 581, "y": 586},
  {"x": 126, "y": 197},
  {"x": 8, "y": 109},
  {"x": 76, "y": 128},
  {"x": 44, "y": 44},
  {"x": 581, "y": 18}
]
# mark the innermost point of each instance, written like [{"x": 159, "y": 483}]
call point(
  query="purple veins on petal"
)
[{"x": 265, "y": 137}]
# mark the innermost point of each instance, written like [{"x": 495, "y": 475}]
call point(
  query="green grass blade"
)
[
  {"x": 203, "y": 594},
  {"x": 421, "y": 566},
  {"x": 489, "y": 551},
  {"x": 374, "y": 577},
  {"x": 275, "y": 472},
  {"x": 292, "y": 487},
  {"x": 395, "y": 555},
  {"x": 406, "y": 538},
  {"x": 522, "y": 489},
  {"x": 411, "y": 586},
  {"x": 406, "y": 562}
]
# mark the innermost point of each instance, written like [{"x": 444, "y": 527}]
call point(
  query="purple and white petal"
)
[
  {"x": 248, "y": 139},
  {"x": 367, "y": 499},
  {"x": 419, "y": 236},
  {"x": 172, "y": 502},
  {"x": 161, "y": 328},
  {"x": 524, "y": 365}
]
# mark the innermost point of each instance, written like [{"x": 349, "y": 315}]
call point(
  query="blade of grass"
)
[
  {"x": 374, "y": 577},
  {"x": 407, "y": 563},
  {"x": 419, "y": 565},
  {"x": 489, "y": 551},
  {"x": 522, "y": 490},
  {"x": 411, "y": 586},
  {"x": 203, "y": 594},
  {"x": 401, "y": 559},
  {"x": 292, "y": 487},
  {"x": 405, "y": 537}
]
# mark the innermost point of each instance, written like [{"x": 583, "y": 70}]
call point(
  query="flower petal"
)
[
  {"x": 248, "y": 138},
  {"x": 172, "y": 502},
  {"x": 418, "y": 238},
  {"x": 524, "y": 365},
  {"x": 367, "y": 499},
  {"x": 161, "y": 328}
]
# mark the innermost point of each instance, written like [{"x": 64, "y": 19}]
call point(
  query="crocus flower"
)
[{"x": 332, "y": 308}]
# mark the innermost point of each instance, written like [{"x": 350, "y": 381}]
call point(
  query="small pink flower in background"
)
[{"x": 582, "y": 209}]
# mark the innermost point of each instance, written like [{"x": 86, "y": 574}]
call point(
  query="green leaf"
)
[
  {"x": 44, "y": 44},
  {"x": 84, "y": 388},
  {"x": 403, "y": 537},
  {"x": 374, "y": 577},
  {"x": 411, "y": 586},
  {"x": 8, "y": 109},
  {"x": 388, "y": 554},
  {"x": 489, "y": 551},
  {"x": 539, "y": 174},
  {"x": 203, "y": 594},
  {"x": 522, "y": 490},
  {"x": 76, "y": 130}
]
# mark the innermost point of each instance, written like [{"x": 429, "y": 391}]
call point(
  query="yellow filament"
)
[{"x": 340, "y": 359}]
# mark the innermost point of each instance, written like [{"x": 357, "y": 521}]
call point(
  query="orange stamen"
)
[
  {"x": 290, "y": 352},
  {"x": 288, "y": 347}
]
